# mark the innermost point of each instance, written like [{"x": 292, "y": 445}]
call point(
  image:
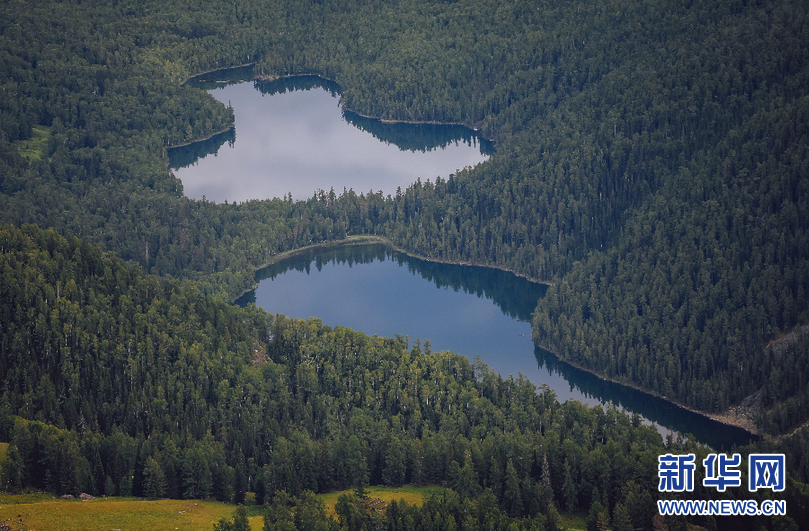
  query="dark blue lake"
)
[
  {"x": 291, "y": 136},
  {"x": 473, "y": 311}
]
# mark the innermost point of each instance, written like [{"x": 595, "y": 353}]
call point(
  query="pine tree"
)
[
  {"x": 154, "y": 481},
  {"x": 569, "y": 489},
  {"x": 620, "y": 518},
  {"x": 512, "y": 497}
]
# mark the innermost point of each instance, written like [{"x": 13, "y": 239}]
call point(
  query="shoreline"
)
[
  {"x": 731, "y": 417},
  {"x": 269, "y": 79},
  {"x": 351, "y": 241},
  {"x": 370, "y": 239},
  {"x": 471, "y": 264},
  {"x": 192, "y": 76},
  {"x": 414, "y": 122},
  {"x": 744, "y": 423},
  {"x": 203, "y": 139},
  {"x": 734, "y": 416}
]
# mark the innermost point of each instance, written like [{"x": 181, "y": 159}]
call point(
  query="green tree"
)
[
  {"x": 310, "y": 513},
  {"x": 620, "y": 518},
  {"x": 154, "y": 482},
  {"x": 357, "y": 466},
  {"x": 552, "y": 519},
  {"x": 239, "y": 523},
  {"x": 109, "y": 487},
  {"x": 239, "y": 486},
  {"x": 13, "y": 469},
  {"x": 279, "y": 514},
  {"x": 597, "y": 519},
  {"x": 512, "y": 496},
  {"x": 418, "y": 467},
  {"x": 394, "y": 471},
  {"x": 569, "y": 490},
  {"x": 464, "y": 479},
  {"x": 351, "y": 513}
]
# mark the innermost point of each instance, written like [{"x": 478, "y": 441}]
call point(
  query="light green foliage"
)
[
  {"x": 33, "y": 149},
  {"x": 239, "y": 523}
]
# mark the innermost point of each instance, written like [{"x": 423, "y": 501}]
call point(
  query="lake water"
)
[
  {"x": 291, "y": 136},
  {"x": 473, "y": 311}
]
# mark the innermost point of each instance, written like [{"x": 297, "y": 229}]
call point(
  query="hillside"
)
[
  {"x": 117, "y": 383},
  {"x": 651, "y": 163}
]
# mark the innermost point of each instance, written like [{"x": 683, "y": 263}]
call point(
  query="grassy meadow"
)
[
  {"x": 39, "y": 511},
  {"x": 412, "y": 495},
  {"x": 29, "y": 512}
]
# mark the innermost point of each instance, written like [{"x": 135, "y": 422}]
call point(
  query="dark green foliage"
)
[
  {"x": 597, "y": 517},
  {"x": 620, "y": 519},
  {"x": 279, "y": 515},
  {"x": 352, "y": 397},
  {"x": 552, "y": 521},
  {"x": 239, "y": 486},
  {"x": 239, "y": 522},
  {"x": 154, "y": 480},
  {"x": 785, "y": 395},
  {"x": 179, "y": 392},
  {"x": 650, "y": 159},
  {"x": 351, "y": 513}
]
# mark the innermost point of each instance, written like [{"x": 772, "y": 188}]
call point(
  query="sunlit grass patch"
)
[
  {"x": 34, "y": 147},
  {"x": 3, "y": 449},
  {"x": 573, "y": 521},
  {"x": 412, "y": 495},
  {"x": 41, "y": 512}
]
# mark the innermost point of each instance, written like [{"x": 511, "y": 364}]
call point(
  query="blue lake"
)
[
  {"x": 473, "y": 311},
  {"x": 291, "y": 136}
]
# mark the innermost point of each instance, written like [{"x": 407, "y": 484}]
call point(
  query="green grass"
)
[
  {"x": 412, "y": 495},
  {"x": 34, "y": 147},
  {"x": 3, "y": 449},
  {"x": 42, "y": 511},
  {"x": 573, "y": 521}
]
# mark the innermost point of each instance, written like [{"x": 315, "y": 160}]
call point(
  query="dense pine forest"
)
[
  {"x": 651, "y": 162},
  {"x": 121, "y": 383}
]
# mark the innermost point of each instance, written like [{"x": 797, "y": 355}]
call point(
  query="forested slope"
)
[
  {"x": 651, "y": 159},
  {"x": 120, "y": 383}
]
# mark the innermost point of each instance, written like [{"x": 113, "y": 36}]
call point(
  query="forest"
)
[
  {"x": 678, "y": 128},
  {"x": 222, "y": 400}
]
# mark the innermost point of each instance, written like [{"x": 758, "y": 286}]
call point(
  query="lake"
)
[
  {"x": 473, "y": 311},
  {"x": 292, "y": 137}
]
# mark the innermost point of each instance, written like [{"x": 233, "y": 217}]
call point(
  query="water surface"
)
[
  {"x": 292, "y": 137},
  {"x": 473, "y": 311}
]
